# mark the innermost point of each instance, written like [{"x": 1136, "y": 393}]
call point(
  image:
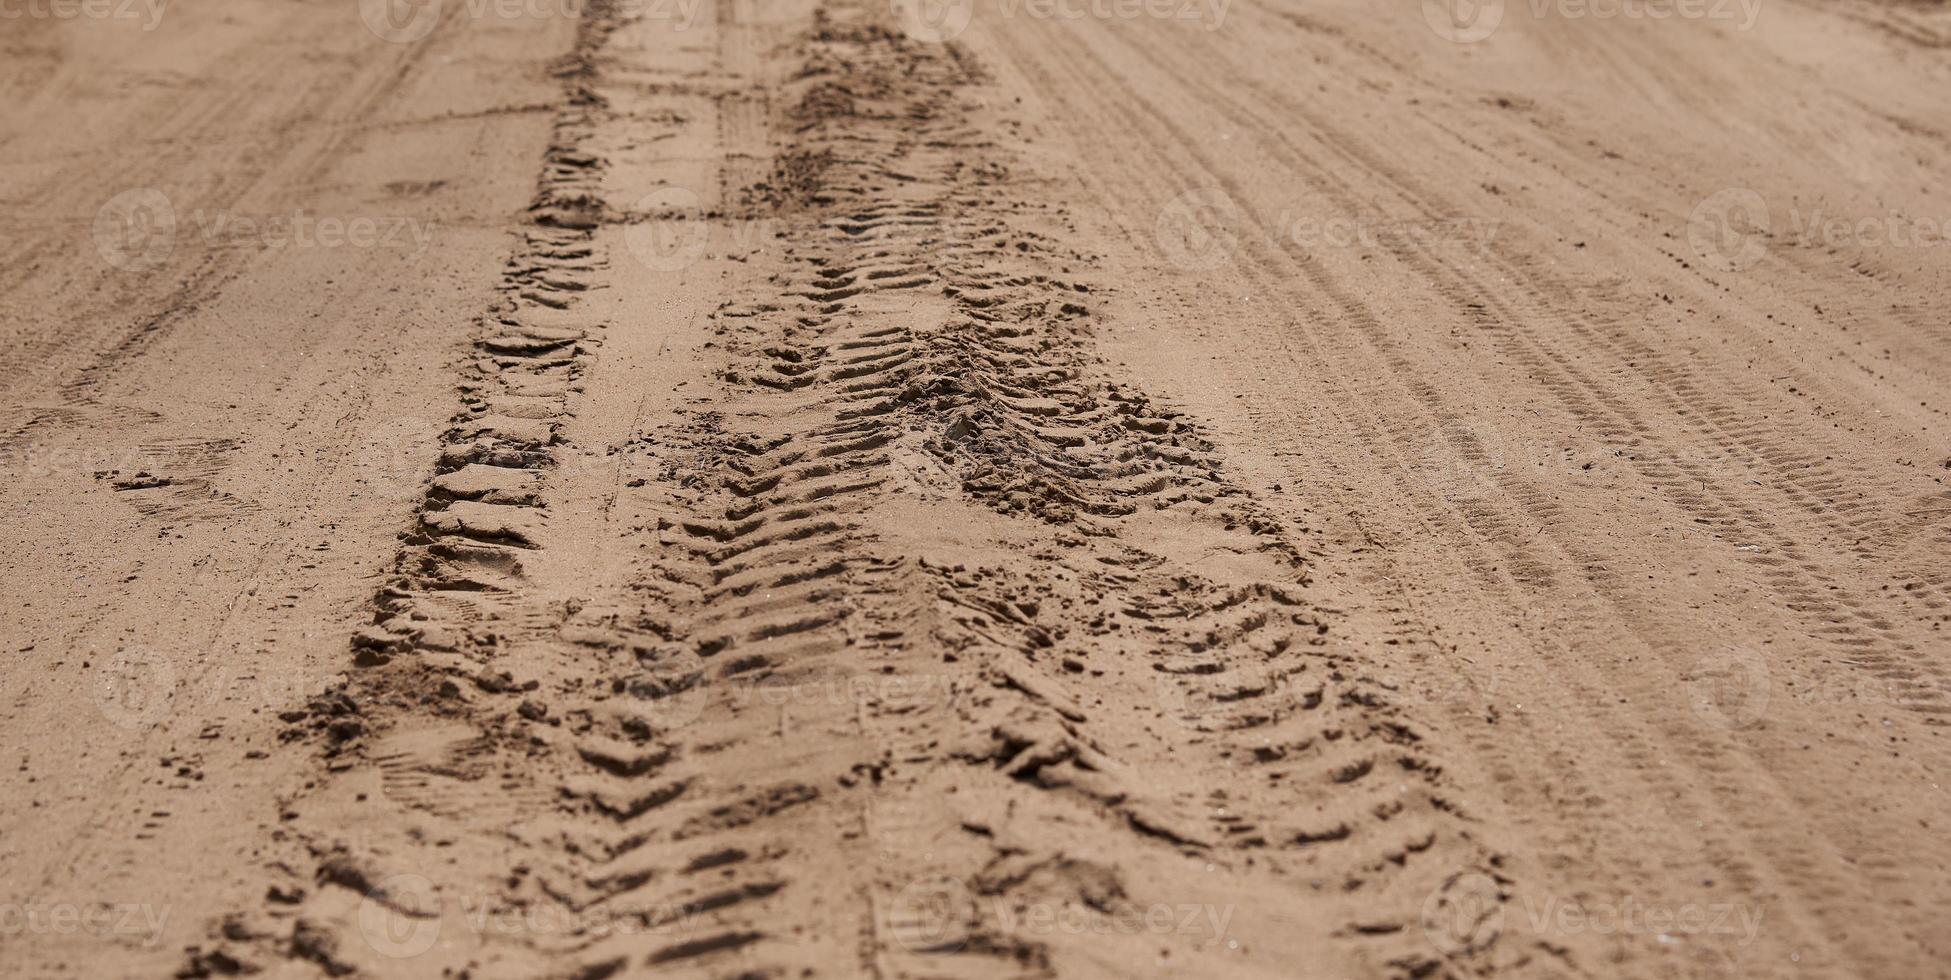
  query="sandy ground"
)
[{"x": 780, "y": 488}]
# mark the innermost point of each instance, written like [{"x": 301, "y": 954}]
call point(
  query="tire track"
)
[
  {"x": 928, "y": 624},
  {"x": 1754, "y": 427},
  {"x": 1496, "y": 529},
  {"x": 842, "y": 388}
]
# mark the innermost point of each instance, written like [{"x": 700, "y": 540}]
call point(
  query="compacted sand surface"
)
[{"x": 975, "y": 488}]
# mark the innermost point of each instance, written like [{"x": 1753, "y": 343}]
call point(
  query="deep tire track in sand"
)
[
  {"x": 929, "y": 631},
  {"x": 839, "y": 556}
]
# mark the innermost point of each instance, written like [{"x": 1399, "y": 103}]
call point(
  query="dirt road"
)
[{"x": 765, "y": 488}]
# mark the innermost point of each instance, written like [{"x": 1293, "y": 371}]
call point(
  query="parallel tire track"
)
[{"x": 920, "y": 636}]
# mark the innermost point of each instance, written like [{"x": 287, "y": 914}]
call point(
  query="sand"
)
[{"x": 983, "y": 488}]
